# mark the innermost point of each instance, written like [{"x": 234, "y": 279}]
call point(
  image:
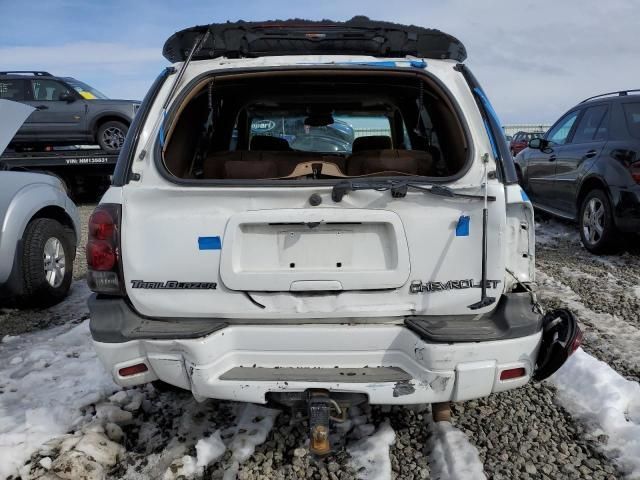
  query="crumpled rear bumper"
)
[{"x": 389, "y": 363}]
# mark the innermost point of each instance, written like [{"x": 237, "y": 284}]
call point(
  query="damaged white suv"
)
[{"x": 319, "y": 214}]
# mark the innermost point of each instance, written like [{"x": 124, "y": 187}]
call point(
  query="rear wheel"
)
[
  {"x": 111, "y": 135},
  {"x": 597, "y": 229},
  {"x": 47, "y": 262}
]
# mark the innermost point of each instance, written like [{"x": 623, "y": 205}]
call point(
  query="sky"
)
[{"x": 535, "y": 59}]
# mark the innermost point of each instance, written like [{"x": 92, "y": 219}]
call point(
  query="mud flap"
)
[{"x": 560, "y": 338}]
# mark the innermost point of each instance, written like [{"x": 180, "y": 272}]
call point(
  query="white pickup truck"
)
[{"x": 319, "y": 214}]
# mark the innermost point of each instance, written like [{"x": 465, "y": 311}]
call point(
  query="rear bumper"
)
[
  {"x": 389, "y": 363},
  {"x": 627, "y": 208}
]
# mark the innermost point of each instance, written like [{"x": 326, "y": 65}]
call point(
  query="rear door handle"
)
[
  {"x": 42, "y": 107},
  {"x": 552, "y": 158},
  {"x": 590, "y": 154}
]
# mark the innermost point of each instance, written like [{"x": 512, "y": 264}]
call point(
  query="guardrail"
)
[{"x": 513, "y": 128}]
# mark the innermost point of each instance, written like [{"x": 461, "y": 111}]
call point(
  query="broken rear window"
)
[{"x": 314, "y": 125}]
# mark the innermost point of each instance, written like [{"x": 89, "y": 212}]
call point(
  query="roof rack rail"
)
[
  {"x": 620, "y": 93},
  {"x": 37, "y": 73}
]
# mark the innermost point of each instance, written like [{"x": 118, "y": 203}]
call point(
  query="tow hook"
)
[
  {"x": 319, "y": 406},
  {"x": 561, "y": 336}
]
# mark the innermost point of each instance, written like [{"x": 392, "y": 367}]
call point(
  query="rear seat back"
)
[
  {"x": 242, "y": 164},
  {"x": 412, "y": 162}
]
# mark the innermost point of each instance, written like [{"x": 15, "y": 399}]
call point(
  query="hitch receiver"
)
[{"x": 319, "y": 407}]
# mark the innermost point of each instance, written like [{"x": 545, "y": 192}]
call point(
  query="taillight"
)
[
  {"x": 103, "y": 250},
  {"x": 512, "y": 373},
  {"x": 634, "y": 169},
  {"x": 576, "y": 342}
]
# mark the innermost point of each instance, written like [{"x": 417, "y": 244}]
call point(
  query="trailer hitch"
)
[
  {"x": 319, "y": 407},
  {"x": 561, "y": 336}
]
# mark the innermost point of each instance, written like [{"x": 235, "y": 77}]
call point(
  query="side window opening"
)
[
  {"x": 47, "y": 90},
  {"x": 632, "y": 117},
  {"x": 310, "y": 128},
  {"x": 559, "y": 134},
  {"x": 12, "y": 89},
  {"x": 591, "y": 126}
]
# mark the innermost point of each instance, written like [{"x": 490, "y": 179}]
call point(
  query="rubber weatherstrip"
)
[{"x": 125, "y": 159}]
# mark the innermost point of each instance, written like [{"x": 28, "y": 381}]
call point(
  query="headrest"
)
[
  {"x": 374, "y": 142},
  {"x": 265, "y": 142}
]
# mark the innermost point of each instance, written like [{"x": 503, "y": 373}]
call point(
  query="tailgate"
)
[{"x": 270, "y": 255}]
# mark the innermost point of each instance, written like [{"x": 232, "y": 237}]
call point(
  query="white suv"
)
[{"x": 319, "y": 214}]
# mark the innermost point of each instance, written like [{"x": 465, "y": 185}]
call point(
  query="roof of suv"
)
[
  {"x": 358, "y": 36},
  {"x": 620, "y": 95}
]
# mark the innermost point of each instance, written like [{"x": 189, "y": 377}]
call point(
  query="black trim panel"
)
[
  {"x": 125, "y": 159},
  {"x": 114, "y": 321},
  {"x": 512, "y": 318}
]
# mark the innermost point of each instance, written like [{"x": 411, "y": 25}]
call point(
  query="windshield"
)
[
  {"x": 87, "y": 91},
  {"x": 337, "y": 136}
]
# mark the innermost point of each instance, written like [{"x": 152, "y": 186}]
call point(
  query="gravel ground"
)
[{"x": 519, "y": 434}]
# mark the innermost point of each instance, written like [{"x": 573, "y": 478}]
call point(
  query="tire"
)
[
  {"x": 45, "y": 284},
  {"x": 110, "y": 135},
  {"x": 597, "y": 228}
]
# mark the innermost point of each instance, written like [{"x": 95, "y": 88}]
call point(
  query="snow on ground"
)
[
  {"x": 46, "y": 381},
  {"x": 452, "y": 455},
  {"x": 370, "y": 455},
  {"x": 623, "y": 339},
  {"x": 607, "y": 403}
]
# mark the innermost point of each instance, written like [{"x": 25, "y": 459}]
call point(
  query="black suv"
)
[
  {"x": 587, "y": 168},
  {"x": 68, "y": 111}
]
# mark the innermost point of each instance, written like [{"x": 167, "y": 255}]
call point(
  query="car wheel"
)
[
  {"x": 47, "y": 262},
  {"x": 111, "y": 136},
  {"x": 597, "y": 230}
]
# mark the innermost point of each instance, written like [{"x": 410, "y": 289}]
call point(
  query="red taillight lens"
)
[
  {"x": 634, "y": 169},
  {"x": 101, "y": 225},
  {"x": 132, "y": 370},
  {"x": 101, "y": 255},
  {"x": 576, "y": 342},
  {"x": 512, "y": 373},
  {"x": 103, "y": 250}
]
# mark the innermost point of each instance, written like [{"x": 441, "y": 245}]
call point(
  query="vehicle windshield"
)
[
  {"x": 87, "y": 91},
  {"x": 303, "y": 133}
]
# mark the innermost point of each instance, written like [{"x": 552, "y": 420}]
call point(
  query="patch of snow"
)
[
  {"x": 46, "y": 392},
  {"x": 372, "y": 454},
  {"x": 604, "y": 401},
  {"x": 9, "y": 338},
  {"x": 623, "y": 339},
  {"x": 253, "y": 424},
  {"x": 549, "y": 232},
  {"x": 210, "y": 449},
  {"x": 452, "y": 455}
]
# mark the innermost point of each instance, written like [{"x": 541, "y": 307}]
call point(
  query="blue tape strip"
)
[
  {"x": 524, "y": 195},
  {"x": 209, "y": 243},
  {"x": 462, "y": 228},
  {"x": 164, "y": 116},
  {"x": 418, "y": 64},
  {"x": 487, "y": 105}
]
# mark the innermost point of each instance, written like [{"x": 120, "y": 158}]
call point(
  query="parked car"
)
[
  {"x": 40, "y": 228},
  {"x": 232, "y": 266},
  {"x": 520, "y": 141},
  {"x": 67, "y": 111},
  {"x": 587, "y": 168}
]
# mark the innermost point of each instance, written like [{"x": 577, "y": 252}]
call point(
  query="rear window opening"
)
[{"x": 317, "y": 125}]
